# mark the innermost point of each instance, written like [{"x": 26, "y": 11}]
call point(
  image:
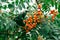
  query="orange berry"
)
[
  {"x": 53, "y": 17},
  {"x": 30, "y": 17},
  {"x": 27, "y": 24},
  {"x": 28, "y": 21},
  {"x": 52, "y": 11},
  {"x": 31, "y": 20},
  {"x": 56, "y": 11},
  {"x": 55, "y": 14},
  {"x": 39, "y": 13},
  {"x": 29, "y": 28},
  {"x": 24, "y": 20},
  {"x": 46, "y": 16},
  {"x": 38, "y": 21},
  {"x": 39, "y": 6},
  {"x": 27, "y": 31},
  {"x": 35, "y": 16},
  {"x": 31, "y": 24},
  {"x": 34, "y": 24},
  {"x": 35, "y": 21},
  {"x": 42, "y": 16}
]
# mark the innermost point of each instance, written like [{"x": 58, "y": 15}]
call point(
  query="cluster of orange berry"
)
[
  {"x": 54, "y": 12},
  {"x": 32, "y": 21}
]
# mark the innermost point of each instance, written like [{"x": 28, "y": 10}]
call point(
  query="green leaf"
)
[
  {"x": 55, "y": 4},
  {"x": 27, "y": 0},
  {"x": 16, "y": 2},
  {"x": 3, "y": 0},
  {"x": 34, "y": 35},
  {"x": 5, "y": 7},
  {"x": 58, "y": 15},
  {"x": 52, "y": 2},
  {"x": 59, "y": 8},
  {"x": 0, "y": 6},
  {"x": 45, "y": 7},
  {"x": 10, "y": 6},
  {"x": 20, "y": 7},
  {"x": 47, "y": 1},
  {"x": 23, "y": 5},
  {"x": 21, "y": 1}
]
